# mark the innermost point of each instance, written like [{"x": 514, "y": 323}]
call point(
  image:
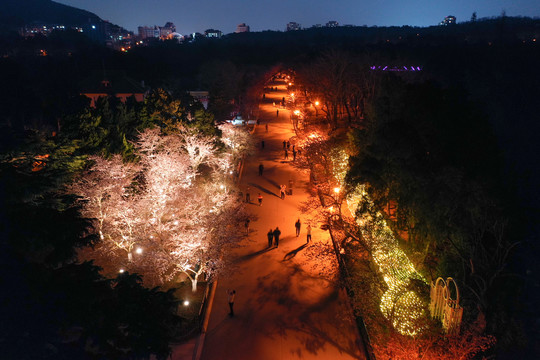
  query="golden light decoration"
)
[{"x": 401, "y": 306}]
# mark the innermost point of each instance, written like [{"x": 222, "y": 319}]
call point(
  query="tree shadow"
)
[
  {"x": 293, "y": 253},
  {"x": 252, "y": 255},
  {"x": 276, "y": 185},
  {"x": 263, "y": 189},
  {"x": 313, "y": 334}
]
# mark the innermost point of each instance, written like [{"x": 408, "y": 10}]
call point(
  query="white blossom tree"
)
[
  {"x": 109, "y": 196},
  {"x": 184, "y": 220}
]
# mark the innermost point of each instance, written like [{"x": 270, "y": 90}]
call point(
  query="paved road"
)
[{"x": 283, "y": 309}]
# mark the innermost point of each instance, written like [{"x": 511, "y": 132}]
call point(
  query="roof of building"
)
[{"x": 111, "y": 82}]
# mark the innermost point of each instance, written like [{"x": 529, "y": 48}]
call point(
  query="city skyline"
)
[{"x": 198, "y": 16}]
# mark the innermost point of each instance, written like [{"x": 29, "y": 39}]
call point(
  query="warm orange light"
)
[
  {"x": 316, "y": 103},
  {"x": 337, "y": 190}
]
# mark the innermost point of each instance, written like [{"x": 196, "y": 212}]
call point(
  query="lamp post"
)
[{"x": 316, "y": 104}]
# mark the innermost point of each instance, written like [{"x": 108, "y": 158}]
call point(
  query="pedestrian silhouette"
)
[
  {"x": 266, "y": 127},
  {"x": 288, "y": 145},
  {"x": 282, "y": 189},
  {"x": 284, "y": 144},
  {"x": 246, "y": 225},
  {"x": 294, "y": 155},
  {"x": 286, "y": 155},
  {"x": 277, "y": 232},
  {"x": 262, "y": 144},
  {"x": 297, "y": 225},
  {"x": 270, "y": 236},
  {"x": 259, "y": 198},
  {"x": 308, "y": 232},
  {"x": 261, "y": 169},
  {"x": 277, "y": 112},
  {"x": 231, "y": 294}
]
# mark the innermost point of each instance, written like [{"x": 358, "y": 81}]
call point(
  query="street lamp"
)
[{"x": 316, "y": 104}]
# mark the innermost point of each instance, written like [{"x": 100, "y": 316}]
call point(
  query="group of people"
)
[
  {"x": 287, "y": 148},
  {"x": 273, "y": 237},
  {"x": 298, "y": 225}
]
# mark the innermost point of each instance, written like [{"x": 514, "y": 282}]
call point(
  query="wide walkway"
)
[{"x": 283, "y": 309}]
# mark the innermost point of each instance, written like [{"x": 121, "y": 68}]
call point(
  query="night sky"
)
[{"x": 199, "y": 15}]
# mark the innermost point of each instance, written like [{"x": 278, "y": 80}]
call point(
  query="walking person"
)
[
  {"x": 308, "y": 232},
  {"x": 284, "y": 144},
  {"x": 277, "y": 232},
  {"x": 282, "y": 189},
  {"x": 270, "y": 236},
  {"x": 294, "y": 154},
  {"x": 259, "y": 198},
  {"x": 266, "y": 126},
  {"x": 231, "y": 294},
  {"x": 288, "y": 145},
  {"x": 286, "y": 156},
  {"x": 262, "y": 144},
  {"x": 261, "y": 169},
  {"x": 277, "y": 113},
  {"x": 246, "y": 225},
  {"x": 297, "y": 225}
]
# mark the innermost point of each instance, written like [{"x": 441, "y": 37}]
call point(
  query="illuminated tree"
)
[
  {"x": 238, "y": 141},
  {"x": 107, "y": 194},
  {"x": 184, "y": 218}
]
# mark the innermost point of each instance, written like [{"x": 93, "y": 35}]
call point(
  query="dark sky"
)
[{"x": 199, "y": 15}]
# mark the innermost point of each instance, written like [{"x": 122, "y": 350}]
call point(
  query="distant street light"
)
[{"x": 139, "y": 251}]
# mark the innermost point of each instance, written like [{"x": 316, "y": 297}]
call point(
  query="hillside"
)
[{"x": 20, "y": 12}]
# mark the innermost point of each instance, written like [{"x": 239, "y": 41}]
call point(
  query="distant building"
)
[
  {"x": 448, "y": 20},
  {"x": 148, "y": 32},
  {"x": 111, "y": 84},
  {"x": 293, "y": 26},
  {"x": 241, "y": 28},
  {"x": 211, "y": 33},
  {"x": 157, "y": 32},
  {"x": 166, "y": 31},
  {"x": 332, "y": 24},
  {"x": 201, "y": 96}
]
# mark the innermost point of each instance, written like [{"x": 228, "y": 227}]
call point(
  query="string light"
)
[{"x": 403, "y": 307}]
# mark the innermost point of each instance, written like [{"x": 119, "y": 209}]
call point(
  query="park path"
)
[{"x": 283, "y": 308}]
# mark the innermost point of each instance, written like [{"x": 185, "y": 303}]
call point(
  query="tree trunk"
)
[{"x": 194, "y": 283}]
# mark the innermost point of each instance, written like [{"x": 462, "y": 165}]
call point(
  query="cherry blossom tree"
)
[
  {"x": 105, "y": 189},
  {"x": 184, "y": 219}
]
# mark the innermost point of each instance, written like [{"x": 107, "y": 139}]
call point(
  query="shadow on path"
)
[
  {"x": 293, "y": 253},
  {"x": 309, "y": 327},
  {"x": 272, "y": 182},
  {"x": 263, "y": 189},
  {"x": 252, "y": 255}
]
